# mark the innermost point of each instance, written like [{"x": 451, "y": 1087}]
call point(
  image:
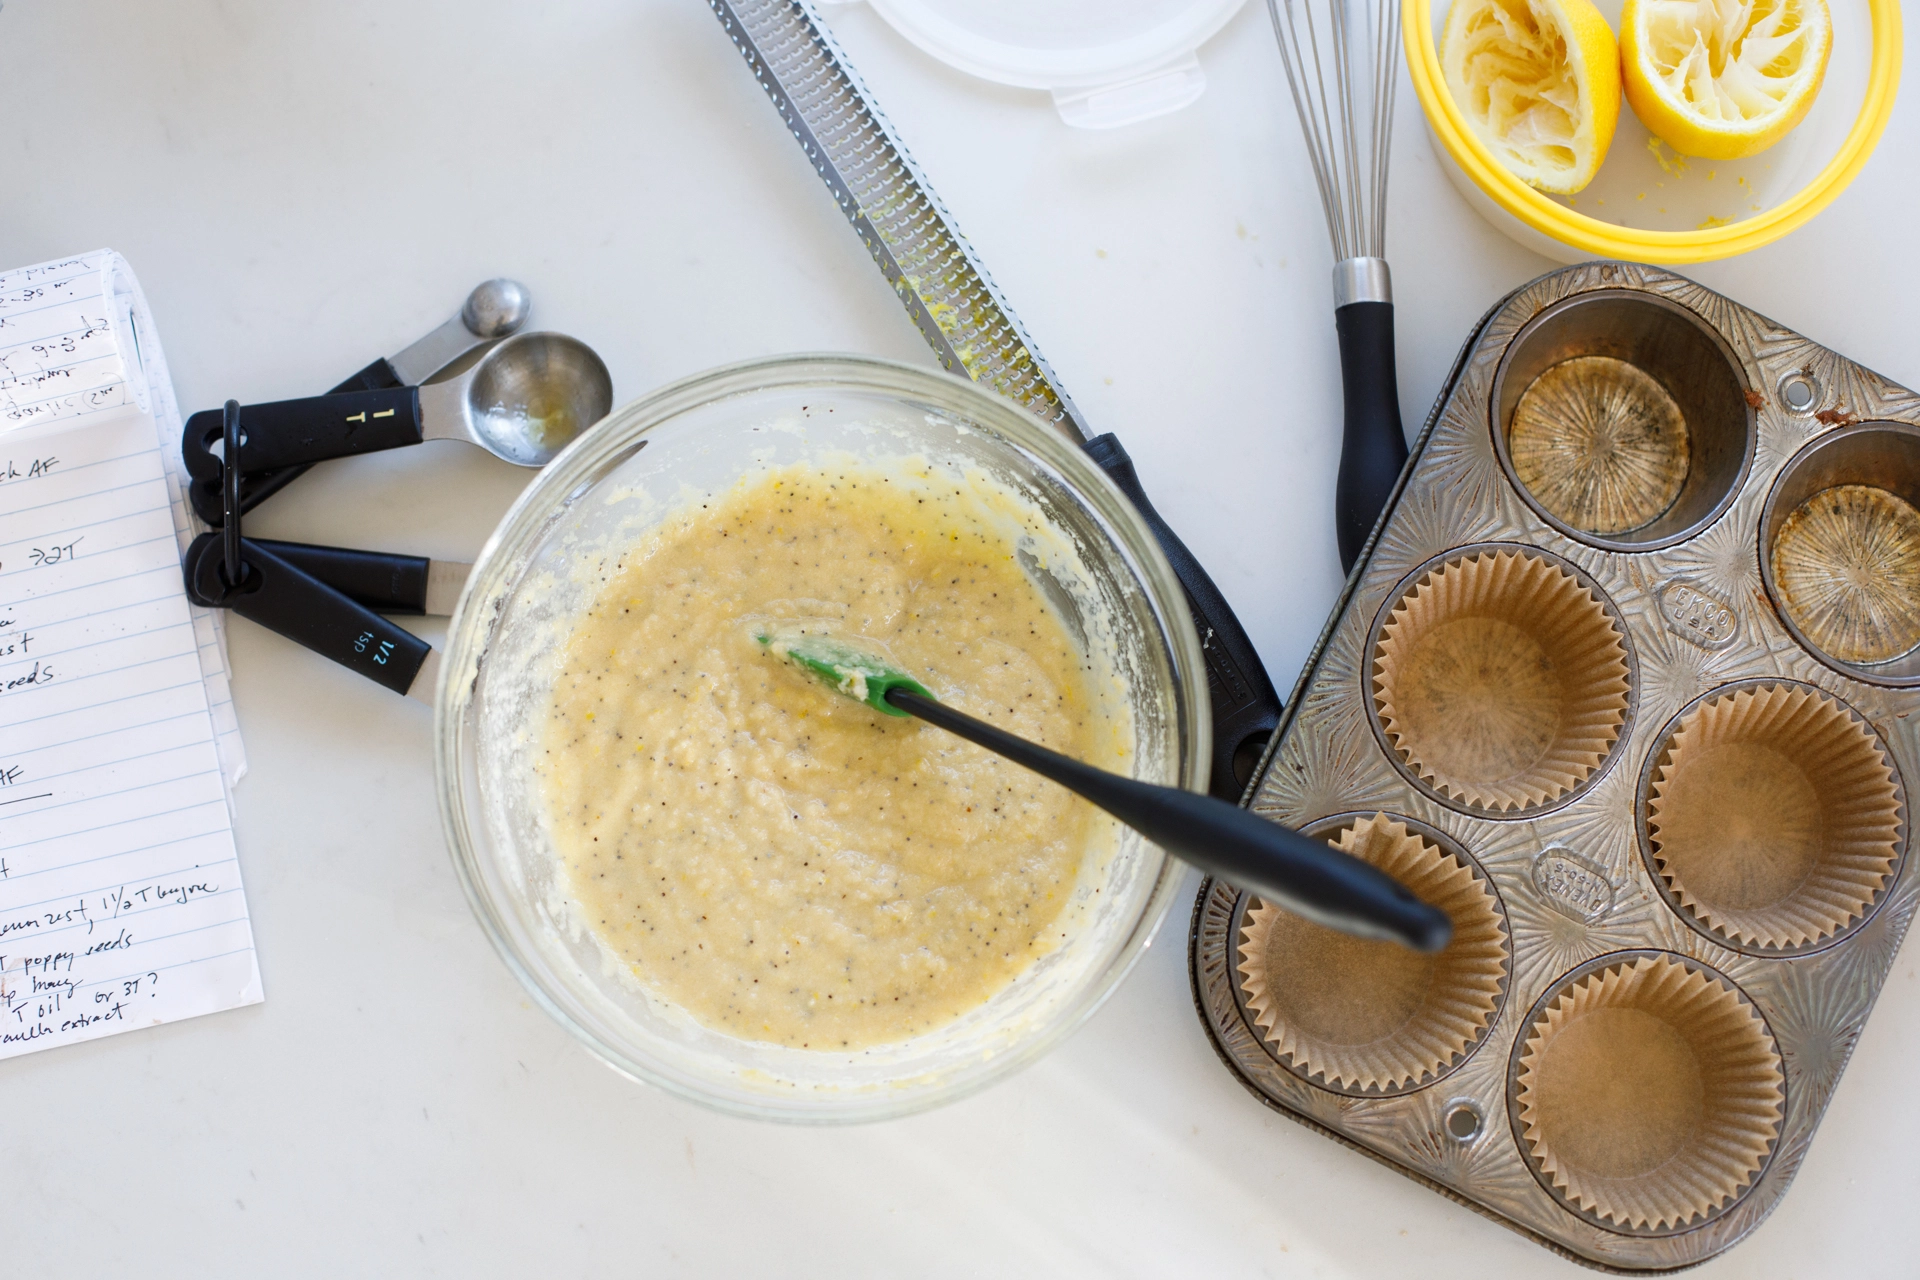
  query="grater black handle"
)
[
  {"x": 1245, "y": 707},
  {"x": 1374, "y": 448}
]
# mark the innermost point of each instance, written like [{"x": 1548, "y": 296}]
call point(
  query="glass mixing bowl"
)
[{"x": 1113, "y": 586}]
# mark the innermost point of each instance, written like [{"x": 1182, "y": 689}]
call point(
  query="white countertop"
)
[{"x": 304, "y": 187}]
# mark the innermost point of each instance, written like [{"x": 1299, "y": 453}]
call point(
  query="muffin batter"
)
[{"x": 779, "y": 861}]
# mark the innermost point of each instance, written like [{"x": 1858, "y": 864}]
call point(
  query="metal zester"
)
[{"x": 967, "y": 323}]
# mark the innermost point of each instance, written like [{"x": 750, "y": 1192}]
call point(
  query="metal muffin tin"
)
[{"x": 1574, "y": 877}]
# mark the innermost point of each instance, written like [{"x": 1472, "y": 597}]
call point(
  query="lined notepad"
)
[{"x": 120, "y": 894}]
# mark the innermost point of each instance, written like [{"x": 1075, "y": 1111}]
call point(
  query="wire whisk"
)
[
  {"x": 1353, "y": 184},
  {"x": 1341, "y": 55}
]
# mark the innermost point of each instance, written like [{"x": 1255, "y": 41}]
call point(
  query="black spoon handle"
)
[
  {"x": 306, "y": 611},
  {"x": 257, "y": 486},
  {"x": 380, "y": 580},
  {"x": 283, "y": 433},
  {"x": 1276, "y": 862}
]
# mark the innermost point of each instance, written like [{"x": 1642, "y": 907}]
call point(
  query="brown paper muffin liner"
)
[
  {"x": 1501, "y": 680},
  {"x": 1649, "y": 1094},
  {"x": 1600, "y": 444},
  {"x": 1363, "y": 1014},
  {"x": 1847, "y": 564},
  {"x": 1773, "y": 816}
]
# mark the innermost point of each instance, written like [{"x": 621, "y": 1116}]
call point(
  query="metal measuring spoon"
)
[
  {"x": 523, "y": 402},
  {"x": 495, "y": 309}
]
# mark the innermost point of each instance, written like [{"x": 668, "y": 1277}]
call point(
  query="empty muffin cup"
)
[
  {"x": 1360, "y": 1015},
  {"x": 1773, "y": 816},
  {"x": 1847, "y": 563},
  {"x": 1500, "y": 679},
  {"x": 1623, "y": 419},
  {"x": 1648, "y": 1093},
  {"x": 1840, "y": 550},
  {"x": 1599, "y": 443}
]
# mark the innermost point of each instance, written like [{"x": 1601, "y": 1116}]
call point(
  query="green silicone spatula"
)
[{"x": 1276, "y": 862}]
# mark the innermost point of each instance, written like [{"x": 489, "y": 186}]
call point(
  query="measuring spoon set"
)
[{"x": 523, "y": 400}]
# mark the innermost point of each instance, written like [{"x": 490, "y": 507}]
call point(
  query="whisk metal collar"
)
[{"x": 1361, "y": 280}]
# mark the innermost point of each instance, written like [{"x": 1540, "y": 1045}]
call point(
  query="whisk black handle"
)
[{"x": 1374, "y": 448}]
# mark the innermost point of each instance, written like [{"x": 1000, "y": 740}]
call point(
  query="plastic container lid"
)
[{"x": 1107, "y": 62}]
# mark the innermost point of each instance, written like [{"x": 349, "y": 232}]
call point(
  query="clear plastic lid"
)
[{"x": 1107, "y": 62}]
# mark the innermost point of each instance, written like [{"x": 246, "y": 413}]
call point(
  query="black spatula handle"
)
[{"x": 1276, "y": 862}]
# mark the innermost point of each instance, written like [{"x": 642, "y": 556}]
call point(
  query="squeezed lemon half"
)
[
  {"x": 1539, "y": 81},
  {"x": 1723, "y": 79}
]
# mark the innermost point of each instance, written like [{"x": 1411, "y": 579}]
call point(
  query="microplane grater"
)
[
  {"x": 967, "y": 322},
  {"x": 895, "y": 212}
]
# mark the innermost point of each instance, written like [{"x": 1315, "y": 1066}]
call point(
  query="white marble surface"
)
[{"x": 303, "y": 187}]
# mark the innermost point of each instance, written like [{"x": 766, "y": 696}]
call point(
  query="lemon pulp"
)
[
  {"x": 1539, "y": 82},
  {"x": 1723, "y": 79}
]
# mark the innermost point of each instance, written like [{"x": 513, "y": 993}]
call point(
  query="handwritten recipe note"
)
[
  {"x": 71, "y": 346},
  {"x": 120, "y": 895}
]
